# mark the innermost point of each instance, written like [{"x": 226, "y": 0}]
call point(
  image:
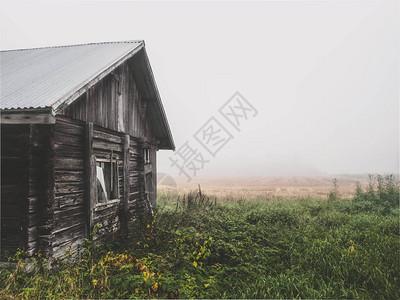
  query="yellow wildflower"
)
[
  {"x": 146, "y": 275},
  {"x": 155, "y": 286}
]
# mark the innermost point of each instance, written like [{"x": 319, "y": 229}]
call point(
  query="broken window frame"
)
[{"x": 113, "y": 182}]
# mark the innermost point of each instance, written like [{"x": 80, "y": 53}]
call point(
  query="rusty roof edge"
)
[
  {"x": 163, "y": 114},
  {"x": 70, "y": 97}
]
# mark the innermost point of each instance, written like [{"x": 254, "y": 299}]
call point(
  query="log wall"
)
[
  {"x": 72, "y": 220},
  {"x": 14, "y": 187},
  {"x": 69, "y": 226},
  {"x": 107, "y": 215}
]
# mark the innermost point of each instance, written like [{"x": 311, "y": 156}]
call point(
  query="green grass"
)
[{"x": 199, "y": 248}]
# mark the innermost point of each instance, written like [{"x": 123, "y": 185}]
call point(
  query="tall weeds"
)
[{"x": 197, "y": 247}]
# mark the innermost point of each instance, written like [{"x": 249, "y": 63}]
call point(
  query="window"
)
[
  {"x": 146, "y": 156},
  {"x": 107, "y": 180}
]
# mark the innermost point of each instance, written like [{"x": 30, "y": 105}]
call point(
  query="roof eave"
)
[
  {"x": 43, "y": 115},
  {"x": 170, "y": 145},
  {"x": 62, "y": 103}
]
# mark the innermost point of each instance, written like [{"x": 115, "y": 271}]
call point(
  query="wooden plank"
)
[
  {"x": 113, "y": 138},
  {"x": 99, "y": 144},
  {"x": 42, "y": 185},
  {"x": 65, "y": 212},
  {"x": 63, "y": 150},
  {"x": 63, "y": 126},
  {"x": 69, "y": 200},
  {"x": 90, "y": 178},
  {"x": 106, "y": 216},
  {"x": 69, "y": 234},
  {"x": 69, "y": 175},
  {"x": 32, "y": 246},
  {"x": 126, "y": 178},
  {"x": 68, "y": 139},
  {"x": 66, "y": 228},
  {"x": 33, "y": 204},
  {"x": 70, "y": 120},
  {"x": 34, "y": 219},
  {"x": 27, "y": 117},
  {"x": 69, "y": 187},
  {"x": 68, "y": 220},
  {"x": 99, "y": 153},
  {"x": 32, "y": 234},
  {"x": 62, "y": 163},
  {"x": 72, "y": 245}
]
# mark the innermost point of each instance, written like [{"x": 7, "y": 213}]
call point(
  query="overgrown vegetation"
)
[{"x": 196, "y": 247}]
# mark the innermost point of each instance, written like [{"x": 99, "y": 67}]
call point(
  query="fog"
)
[{"x": 322, "y": 76}]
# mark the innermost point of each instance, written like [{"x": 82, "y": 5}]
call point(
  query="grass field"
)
[{"x": 197, "y": 246}]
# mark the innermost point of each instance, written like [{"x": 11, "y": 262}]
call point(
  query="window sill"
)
[{"x": 110, "y": 202}]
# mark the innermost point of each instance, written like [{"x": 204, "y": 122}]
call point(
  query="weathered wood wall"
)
[
  {"x": 41, "y": 189},
  {"x": 14, "y": 187},
  {"x": 71, "y": 219},
  {"x": 69, "y": 207},
  {"x": 27, "y": 188},
  {"x": 107, "y": 143},
  {"x": 114, "y": 103},
  {"x": 136, "y": 179},
  {"x": 150, "y": 170}
]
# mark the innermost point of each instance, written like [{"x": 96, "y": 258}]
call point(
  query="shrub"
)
[{"x": 381, "y": 195}]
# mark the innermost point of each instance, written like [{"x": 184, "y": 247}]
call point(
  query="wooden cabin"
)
[{"x": 80, "y": 129}]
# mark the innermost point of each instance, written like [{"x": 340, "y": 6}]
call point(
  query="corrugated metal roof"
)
[{"x": 47, "y": 77}]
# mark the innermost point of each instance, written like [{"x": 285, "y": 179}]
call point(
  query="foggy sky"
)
[{"x": 322, "y": 75}]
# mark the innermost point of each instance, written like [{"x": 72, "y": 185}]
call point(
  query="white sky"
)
[{"x": 323, "y": 75}]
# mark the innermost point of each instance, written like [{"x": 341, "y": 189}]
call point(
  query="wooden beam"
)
[
  {"x": 25, "y": 116},
  {"x": 41, "y": 186},
  {"x": 126, "y": 178},
  {"x": 90, "y": 178}
]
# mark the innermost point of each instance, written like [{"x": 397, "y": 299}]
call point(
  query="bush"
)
[{"x": 381, "y": 195}]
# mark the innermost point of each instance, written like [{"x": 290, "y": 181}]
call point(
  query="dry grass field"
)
[{"x": 266, "y": 187}]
